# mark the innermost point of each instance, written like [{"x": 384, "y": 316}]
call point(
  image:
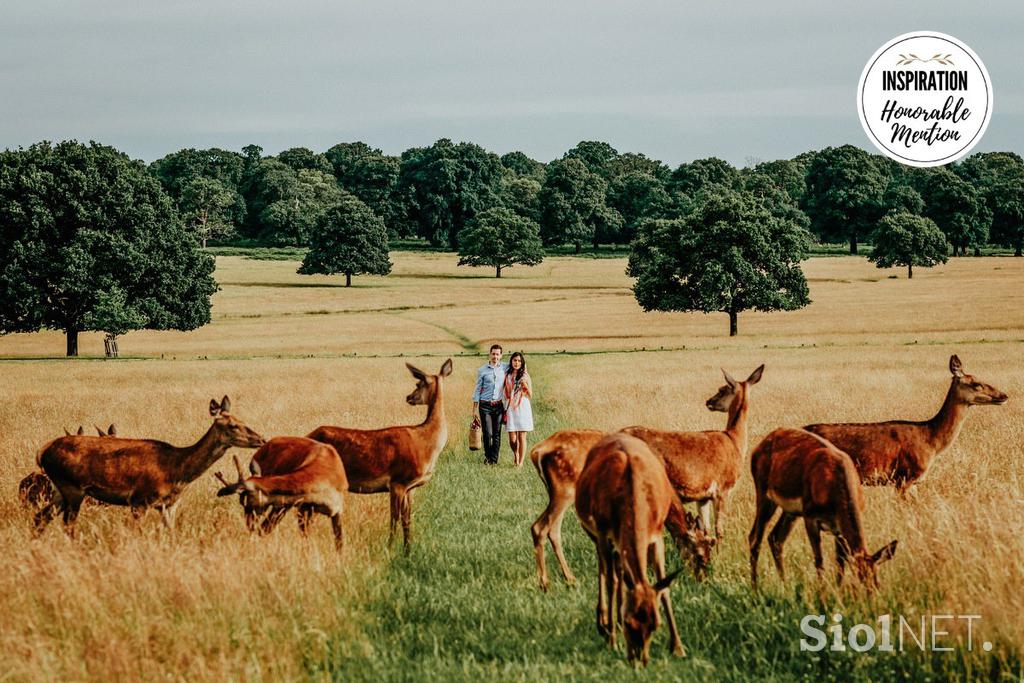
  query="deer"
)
[
  {"x": 704, "y": 466},
  {"x": 139, "y": 473},
  {"x": 559, "y": 459},
  {"x": 623, "y": 497},
  {"x": 316, "y": 483},
  {"x": 899, "y": 452},
  {"x": 807, "y": 476},
  {"x": 35, "y": 490},
  {"x": 397, "y": 460}
]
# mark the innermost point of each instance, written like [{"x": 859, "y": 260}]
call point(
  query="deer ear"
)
[
  {"x": 225, "y": 405},
  {"x": 66, "y": 432},
  {"x": 416, "y": 372},
  {"x": 81, "y": 430},
  {"x": 884, "y": 554},
  {"x": 446, "y": 369},
  {"x": 99, "y": 432},
  {"x": 214, "y": 407},
  {"x": 667, "y": 581},
  {"x": 254, "y": 467},
  {"x": 111, "y": 430},
  {"x": 755, "y": 376},
  {"x": 728, "y": 378},
  {"x": 955, "y": 366}
]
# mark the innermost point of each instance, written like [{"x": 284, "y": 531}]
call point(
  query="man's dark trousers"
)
[{"x": 490, "y": 418}]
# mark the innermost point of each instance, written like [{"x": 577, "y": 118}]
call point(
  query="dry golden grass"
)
[{"x": 129, "y": 603}]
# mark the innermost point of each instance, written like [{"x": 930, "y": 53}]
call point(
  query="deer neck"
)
[
  {"x": 631, "y": 542},
  {"x": 435, "y": 427},
  {"x": 945, "y": 426},
  {"x": 190, "y": 462},
  {"x": 736, "y": 425}
]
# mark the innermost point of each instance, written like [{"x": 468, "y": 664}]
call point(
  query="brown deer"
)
[
  {"x": 559, "y": 460},
  {"x": 35, "y": 490},
  {"x": 623, "y": 498},
  {"x": 809, "y": 477},
  {"x": 899, "y": 452},
  {"x": 396, "y": 459},
  {"x": 704, "y": 466},
  {"x": 140, "y": 473},
  {"x": 316, "y": 484}
]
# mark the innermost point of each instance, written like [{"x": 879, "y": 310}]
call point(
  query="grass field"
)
[{"x": 125, "y": 602}]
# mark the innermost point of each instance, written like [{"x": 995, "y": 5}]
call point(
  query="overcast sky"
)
[{"x": 675, "y": 80}]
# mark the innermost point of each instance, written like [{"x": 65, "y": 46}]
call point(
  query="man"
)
[{"x": 487, "y": 402}]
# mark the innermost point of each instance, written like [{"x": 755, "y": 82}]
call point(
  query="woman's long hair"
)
[{"x": 522, "y": 369}]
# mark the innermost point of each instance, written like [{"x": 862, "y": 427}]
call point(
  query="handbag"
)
[{"x": 476, "y": 436}]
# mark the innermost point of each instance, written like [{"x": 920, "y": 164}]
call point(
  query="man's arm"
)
[{"x": 476, "y": 394}]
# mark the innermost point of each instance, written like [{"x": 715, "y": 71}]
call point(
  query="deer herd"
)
[{"x": 628, "y": 487}]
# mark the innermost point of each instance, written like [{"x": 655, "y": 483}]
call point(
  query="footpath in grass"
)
[{"x": 465, "y": 605}]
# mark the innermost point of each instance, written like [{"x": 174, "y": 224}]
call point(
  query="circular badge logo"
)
[{"x": 924, "y": 99}]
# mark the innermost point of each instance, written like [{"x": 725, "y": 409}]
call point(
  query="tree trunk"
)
[
  {"x": 579, "y": 247},
  {"x": 497, "y": 271},
  {"x": 853, "y": 244},
  {"x": 977, "y": 250},
  {"x": 732, "y": 323},
  {"x": 1018, "y": 249},
  {"x": 910, "y": 271},
  {"x": 348, "y": 279},
  {"x": 204, "y": 243},
  {"x": 72, "y": 341}
]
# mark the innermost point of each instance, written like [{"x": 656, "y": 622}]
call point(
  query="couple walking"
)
[{"x": 502, "y": 396}]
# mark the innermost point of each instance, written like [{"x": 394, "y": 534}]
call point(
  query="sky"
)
[{"x": 674, "y": 80}]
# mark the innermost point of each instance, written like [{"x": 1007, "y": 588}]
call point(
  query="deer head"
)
[
  {"x": 698, "y": 545},
  {"x": 971, "y": 391},
  {"x": 248, "y": 495},
  {"x": 426, "y": 385},
  {"x": 111, "y": 431},
  {"x": 230, "y": 429},
  {"x": 722, "y": 401},
  {"x": 640, "y": 618},
  {"x": 80, "y": 432},
  {"x": 867, "y": 565}
]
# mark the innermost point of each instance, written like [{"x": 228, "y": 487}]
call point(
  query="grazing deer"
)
[
  {"x": 559, "y": 459},
  {"x": 899, "y": 452},
  {"x": 396, "y": 459},
  {"x": 623, "y": 498},
  {"x": 316, "y": 483},
  {"x": 35, "y": 490},
  {"x": 139, "y": 473},
  {"x": 809, "y": 477},
  {"x": 704, "y": 466}
]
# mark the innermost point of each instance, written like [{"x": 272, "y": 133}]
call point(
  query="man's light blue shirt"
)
[{"x": 490, "y": 382}]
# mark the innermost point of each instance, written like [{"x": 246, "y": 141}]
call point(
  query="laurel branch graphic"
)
[{"x": 940, "y": 58}]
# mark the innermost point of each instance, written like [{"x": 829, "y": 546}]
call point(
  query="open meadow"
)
[{"x": 124, "y": 601}]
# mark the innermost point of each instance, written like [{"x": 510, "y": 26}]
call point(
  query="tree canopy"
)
[
  {"x": 957, "y": 208},
  {"x": 572, "y": 205},
  {"x": 845, "y": 192},
  {"x": 500, "y": 238},
  {"x": 734, "y": 252},
  {"x": 442, "y": 187},
  {"x": 347, "y": 238},
  {"x": 903, "y": 239},
  {"x": 999, "y": 178},
  {"x": 92, "y": 243}
]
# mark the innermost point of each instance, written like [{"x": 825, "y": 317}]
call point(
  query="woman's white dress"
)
[{"x": 520, "y": 419}]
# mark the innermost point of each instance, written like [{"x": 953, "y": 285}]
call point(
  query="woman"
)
[{"x": 518, "y": 413}]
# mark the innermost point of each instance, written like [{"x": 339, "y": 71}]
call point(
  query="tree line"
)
[
  {"x": 94, "y": 240},
  {"x": 593, "y": 195}
]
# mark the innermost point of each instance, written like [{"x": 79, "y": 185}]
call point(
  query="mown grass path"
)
[{"x": 465, "y": 604}]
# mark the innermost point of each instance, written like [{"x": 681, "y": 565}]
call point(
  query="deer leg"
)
[
  {"x": 397, "y": 494},
  {"x": 555, "y": 536},
  {"x": 814, "y": 536},
  {"x": 339, "y": 532},
  {"x": 704, "y": 517},
  {"x": 603, "y": 583},
  {"x": 167, "y": 516},
  {"x": 615, "y": 587},
  {"x": 540, "y": 532},
  {"x": 719, "y": 504},
  {"x": 842, "y": 554},
  {"x": 765, "y": 510},
  {"x": 72, "y": 504},
  {"x": 777, "y": 539},
  {"x": 407, "y": 519},
  {"x": 666, "y": 600},
  {"x": 304, "y": 513}
]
